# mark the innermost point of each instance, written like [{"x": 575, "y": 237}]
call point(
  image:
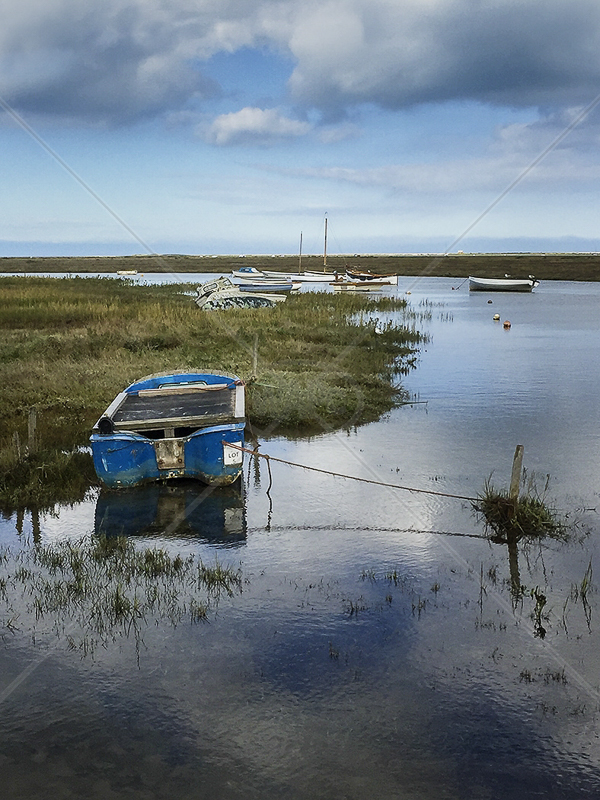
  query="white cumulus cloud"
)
[{"x": 254, "y": 125}]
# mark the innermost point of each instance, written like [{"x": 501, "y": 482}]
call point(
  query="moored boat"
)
[
  {"x": 502, "y": 284},
  {"x": 248, "y": 272},
  {"x": 267, "y": 286},
  {"x": 172, "y": 425},
  {"x": 302, "y": 277},
  {"x": 391, "y": 279},
  {"x": 358, "y": 286}
]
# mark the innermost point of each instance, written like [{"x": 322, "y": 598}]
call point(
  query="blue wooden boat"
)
[{"x": 172, "y": 425}]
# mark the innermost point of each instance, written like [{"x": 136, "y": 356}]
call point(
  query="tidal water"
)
[{"x": 376, "y": 648}]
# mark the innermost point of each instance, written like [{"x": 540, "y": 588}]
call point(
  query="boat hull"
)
[
  {"x": 127, "y": 458},
  {"x": 502, "y": 284},
  {"x": 358, "y": 286}
]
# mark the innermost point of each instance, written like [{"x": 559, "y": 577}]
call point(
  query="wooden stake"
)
[
  {"x": 31, "y": 427},
  {"x": 255, "y": 357},
  {"x": 515, "y": 478}
]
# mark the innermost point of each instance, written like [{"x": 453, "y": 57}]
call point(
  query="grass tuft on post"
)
[{"x": 525, "y": 516}]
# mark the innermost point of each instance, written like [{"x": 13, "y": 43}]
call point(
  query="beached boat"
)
[
  {"x": 502, "y": 284},
  {"x": 222, "y": 294},
  {"x": 172, "y": 425}
]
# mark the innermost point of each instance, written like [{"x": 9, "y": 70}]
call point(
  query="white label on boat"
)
[{"x": 231, "y": 456}]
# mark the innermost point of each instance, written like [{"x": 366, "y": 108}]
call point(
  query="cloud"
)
[
  {"x": 409, "y": 52},
  {"x": 254, "y": 125},
  {"x": 513, "y": 153},
  {"x": 119, "y": 60}
]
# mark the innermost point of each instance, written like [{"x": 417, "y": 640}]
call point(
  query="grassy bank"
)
[
  {"x": 545, "y": 266},
  {"x": 68, "y": 346}
]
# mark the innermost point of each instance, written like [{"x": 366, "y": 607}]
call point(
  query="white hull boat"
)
[{"x": 502, "y": 284}]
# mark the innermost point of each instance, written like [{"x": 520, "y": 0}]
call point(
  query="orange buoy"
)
[{"x": 507, "y": 323}]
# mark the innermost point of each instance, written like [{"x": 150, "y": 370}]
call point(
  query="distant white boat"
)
[
  {"x": 358, "y": 286},
  {"x": 248, "y": 272},
  {"x": 502, "y": 284}
]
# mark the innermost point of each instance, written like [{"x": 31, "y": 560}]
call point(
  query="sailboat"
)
[
  {"x": 324, "y": 275},
  {"x": 306, "y": 277}
]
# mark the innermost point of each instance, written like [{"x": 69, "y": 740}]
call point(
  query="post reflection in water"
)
[{"x": 184, "y": 509}]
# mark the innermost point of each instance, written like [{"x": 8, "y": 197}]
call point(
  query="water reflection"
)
[{"x": 181, "y": 509}]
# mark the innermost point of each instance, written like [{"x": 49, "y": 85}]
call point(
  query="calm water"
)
[{"x": 375, "y": 650}]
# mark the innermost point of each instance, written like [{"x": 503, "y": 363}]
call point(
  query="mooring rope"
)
[{"x": 349, "y": 477}]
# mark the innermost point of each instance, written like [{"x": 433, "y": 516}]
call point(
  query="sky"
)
[{"x": 236, "y": 126}]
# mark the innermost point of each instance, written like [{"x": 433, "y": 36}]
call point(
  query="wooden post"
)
[
  {"x": 255, "y": 356},
  {"x": 31, "y": 427},
  {"x": 17, "y": 444},
  {"x": 515, "y": 478}
]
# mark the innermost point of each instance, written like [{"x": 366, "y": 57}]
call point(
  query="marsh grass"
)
[
  {"x": 69, "y": 345},
  {"x": 97, "y": 590}
]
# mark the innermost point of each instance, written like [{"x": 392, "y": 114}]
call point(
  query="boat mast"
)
[
  {"x": 300, "y": 256},
  {"x": 325, "y": 250}
]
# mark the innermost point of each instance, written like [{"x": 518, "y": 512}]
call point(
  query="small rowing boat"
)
[
  {"x": 502, "y": 284},
  {"x": 172, "y": 425}
]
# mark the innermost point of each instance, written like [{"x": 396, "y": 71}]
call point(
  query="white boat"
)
[
  {"x": 353, "y": 274},
  {"x": 358, "y": 286},
  {"x": 301, "y": 277},
  {"x": 502, "y": 284},
  {"x": 248, "y": 272}
]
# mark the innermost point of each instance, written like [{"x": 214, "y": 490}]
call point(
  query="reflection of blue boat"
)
[
  {"x": 185, "y": 509},
  {"x": 172, "y": 425}
]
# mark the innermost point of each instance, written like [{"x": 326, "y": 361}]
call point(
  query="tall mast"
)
[
  {"x": 325, "y": 250},
  {"x": 300, "y": 256}
]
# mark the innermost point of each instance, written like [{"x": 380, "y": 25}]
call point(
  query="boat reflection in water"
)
[{"x": 179, "y": 508}]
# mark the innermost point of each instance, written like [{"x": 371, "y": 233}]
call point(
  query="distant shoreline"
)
[{"x": 544, "y": 266}]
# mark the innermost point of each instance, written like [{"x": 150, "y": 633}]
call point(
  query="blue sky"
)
[{"x": 230, "y": 126}]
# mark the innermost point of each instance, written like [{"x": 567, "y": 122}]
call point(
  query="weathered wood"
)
[
  {"x": 31, "y": 430},
  {"x": 168, "y": 390},
  {"x": 179, "y": 409},
  {"x": 515, "y": 478},
  {"x": 163, "y": 423},
  {"x": 255, "y": 356}
]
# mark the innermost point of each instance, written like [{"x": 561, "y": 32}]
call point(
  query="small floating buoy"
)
[
  {"x": 507, "y": 323},
  {"x": 408, "y": 292},
  {"x": 497, "y": 317},
  {"x": 489, "y": 302}
]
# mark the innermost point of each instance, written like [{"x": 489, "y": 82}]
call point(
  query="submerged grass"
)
[
  {"x": 97, "y": 590},
  {"x": 69, "y": 345}
]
